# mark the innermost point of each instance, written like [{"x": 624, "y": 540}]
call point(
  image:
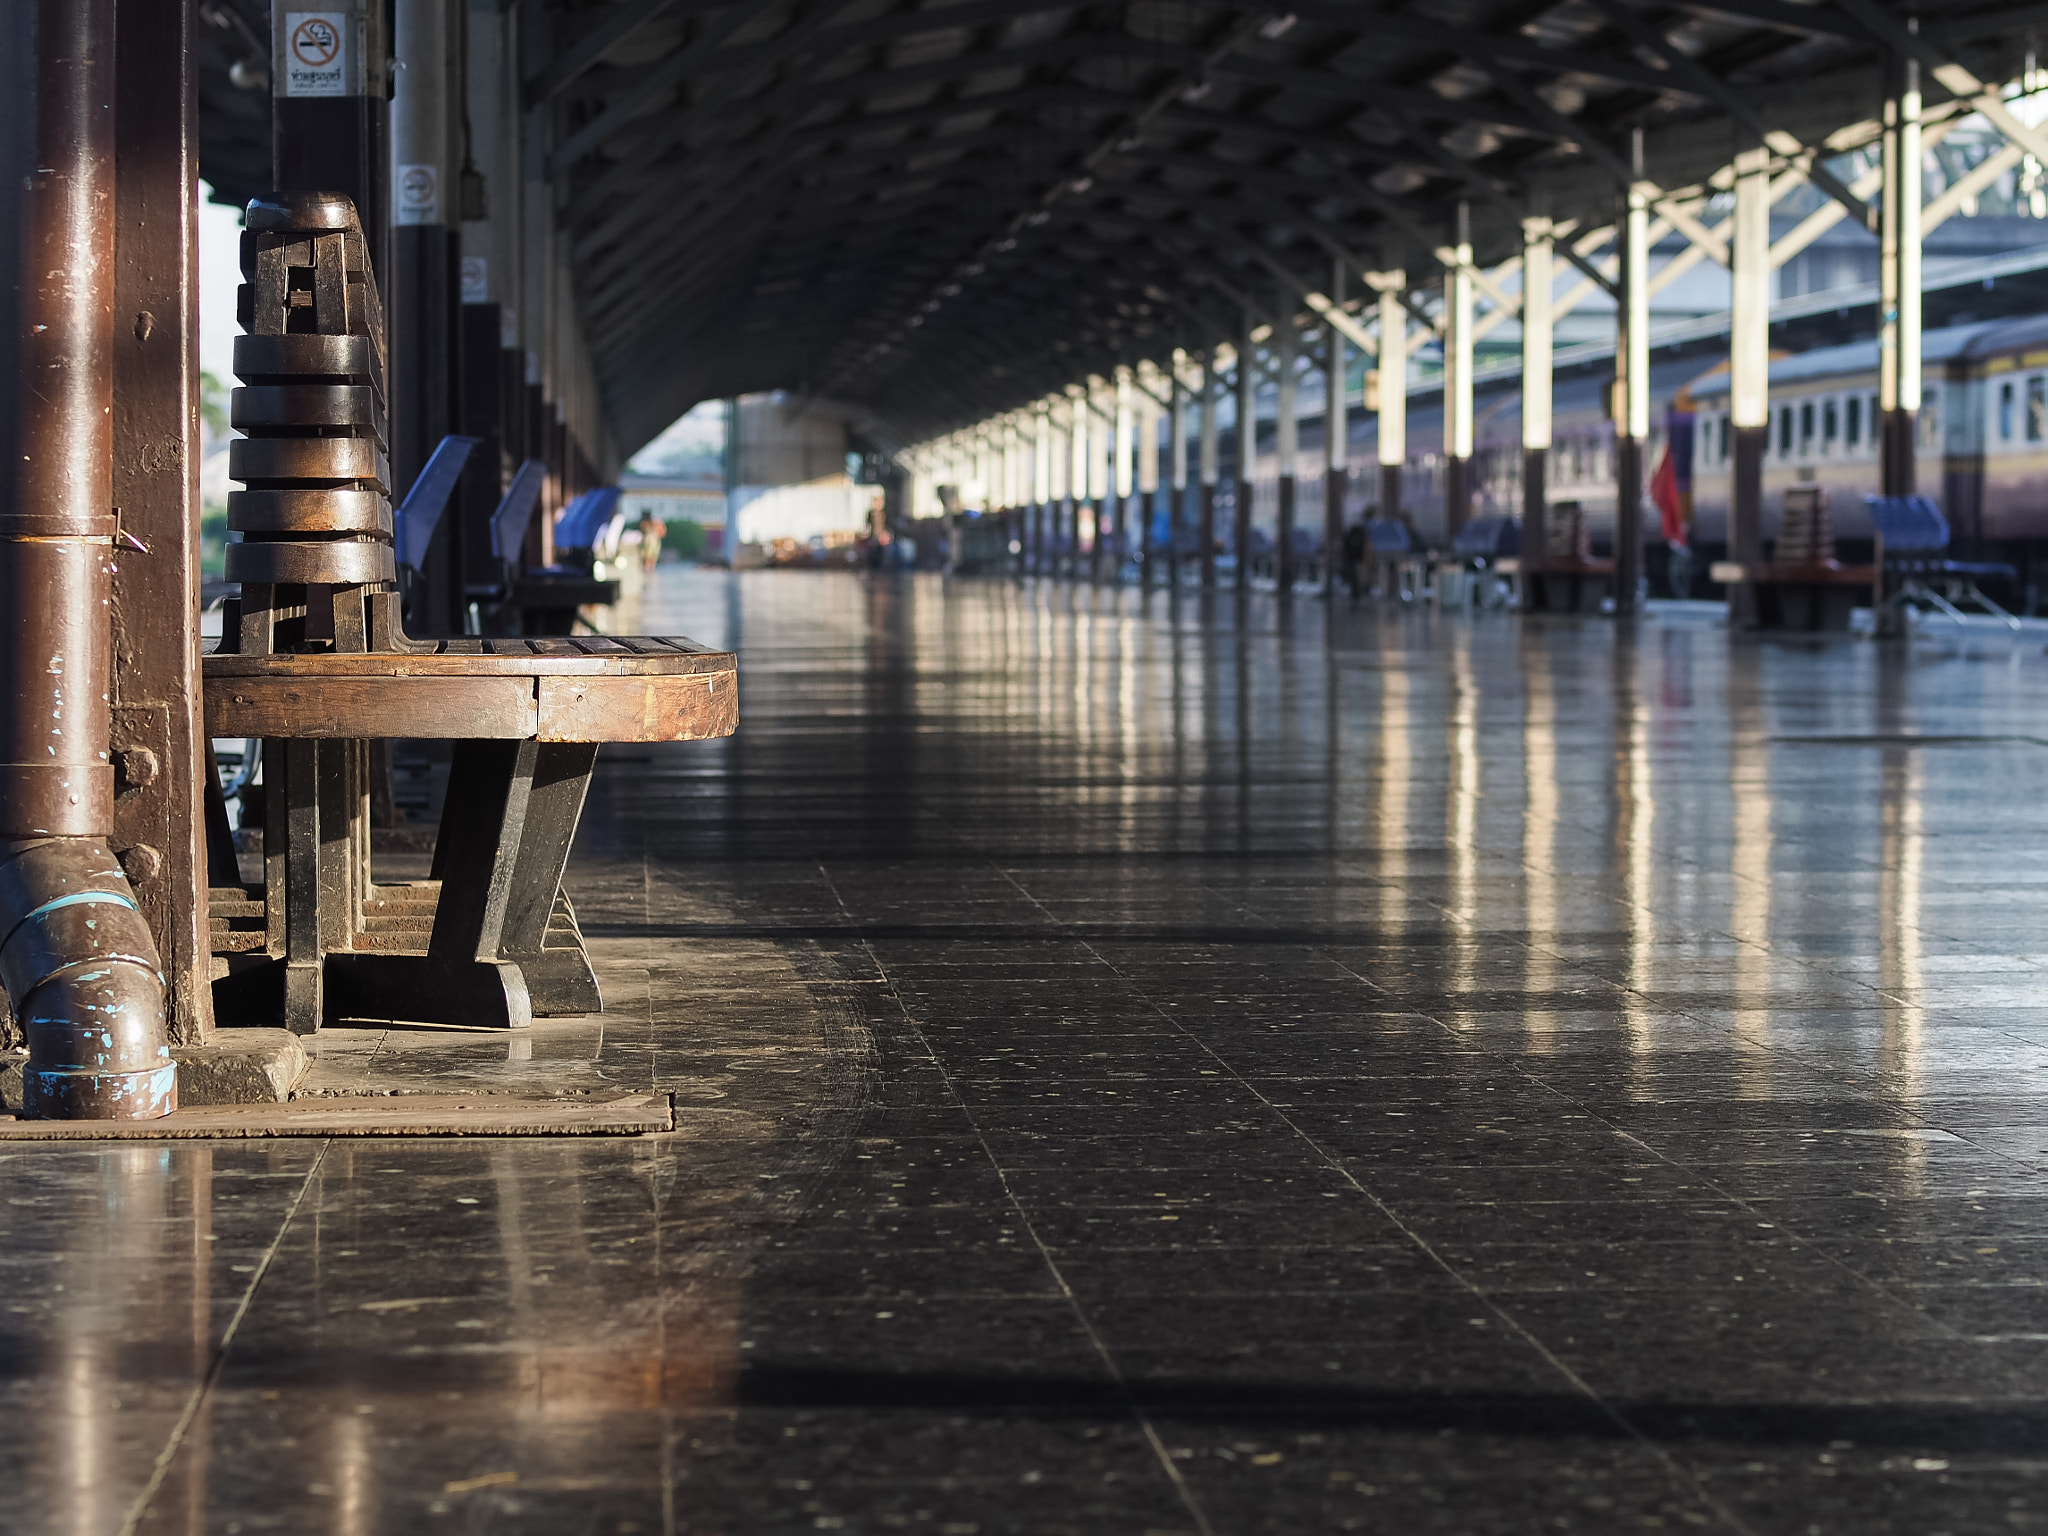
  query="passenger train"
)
[{"x": 1983, "y": 443}]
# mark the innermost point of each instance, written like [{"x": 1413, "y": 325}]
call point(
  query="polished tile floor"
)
[{"x": 1144, "y": 1068}]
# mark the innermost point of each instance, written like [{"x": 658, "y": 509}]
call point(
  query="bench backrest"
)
[
  {"x": 586, "y": 523},
  {"x": 317, "y": 547},
  {"x": 1489, "y": 537},
  {"x": 1908, "y": 524},
  {"x": 1388, "y": 536},
  {"x": 420, "y": 513},
  {"x": 515, "y": 512}
]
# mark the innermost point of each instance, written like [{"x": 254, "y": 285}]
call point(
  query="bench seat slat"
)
[{"x": 665, "y": 694}]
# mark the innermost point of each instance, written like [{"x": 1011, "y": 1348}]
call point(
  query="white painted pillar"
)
[
  {"x": 1749, "y": 358},
  {"x": 1247, "y": 453},
  {"x": 1458, "y": 376},
  {"x": 1393, "y": 389},
  {"x": 1336, "y": 437},
  {"x": 1209, "y": 467},
  {"x": 1286, "y": 443},
  {"x": 1538, "y": 247},
  {"x": 1177, "y": 461},
  {"x": 1899, "y": 361},
  {"x": 1632, "y": 368}
]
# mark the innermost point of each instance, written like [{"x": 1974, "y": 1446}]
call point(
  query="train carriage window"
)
[
  {"x": 1830, "y": 424},
  {"x": 2037, "y": 408},
  {"x": 1852, "y": 426},
  {"x": 1930, "y": 422},
  {"x": 1805, "y": 428},
  {"x": 2005, "y": 411},
  {"x": 1785, "y": 432}
]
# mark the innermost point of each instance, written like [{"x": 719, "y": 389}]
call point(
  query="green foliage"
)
[
  {"x": 213, "y": 403},
  {"x": 213, "y": 542},
  {"x": 686, "y": 537}
]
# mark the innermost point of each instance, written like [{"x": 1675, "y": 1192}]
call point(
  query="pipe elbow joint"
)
[{"x": 81, "y": 970}]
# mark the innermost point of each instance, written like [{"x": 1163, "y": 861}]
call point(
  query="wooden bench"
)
[
  {"x": 1803, "y": 588},
  {"x": 1807, "y": 596},
  {"x": 1563, "y": 576},
  {"x": 315, "y": 663}
]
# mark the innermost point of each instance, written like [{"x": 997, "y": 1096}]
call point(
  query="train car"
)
[
  {"x": 1982, "y": 438},
  {"x": 1824, "y": 431},
  {"x": 1581, "y": 458}
]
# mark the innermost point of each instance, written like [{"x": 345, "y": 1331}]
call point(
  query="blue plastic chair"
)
[
  {"x": 1912, "y": 538},
  {"x": 1397, "y": 551},
  {"x": 585, "y": 524},
  {"x": 1489, "y": 538},
  {"x": 1388, "y": 536}
]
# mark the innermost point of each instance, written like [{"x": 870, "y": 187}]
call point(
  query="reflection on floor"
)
[{"x": 1142, "y": 1068}]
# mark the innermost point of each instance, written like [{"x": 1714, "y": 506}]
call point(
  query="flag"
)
[
  {"x": 1671, "y": 485},
  {"x": 1664, "y": 492}
]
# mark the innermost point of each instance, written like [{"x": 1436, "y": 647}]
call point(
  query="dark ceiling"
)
[{"x": 933, "y": 210}]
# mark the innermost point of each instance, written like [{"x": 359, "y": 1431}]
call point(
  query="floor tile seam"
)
[
  {"x": 1679, "y": 1474},
  {"x": 1691, "y": 1170},
  {"x": 1676, "y": 1012},
  {"x": 1162, "y": 1457},
  {"x": 206, "y": 1384},
  {"x": 1667, "y": 919},
  {"x": 1749, "y": 1206}
]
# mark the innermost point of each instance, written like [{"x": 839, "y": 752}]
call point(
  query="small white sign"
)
[
  {"x": 316, "y": 53},
  {"x": 476, "y": 280},
  {"x": 418, "y": 194}
]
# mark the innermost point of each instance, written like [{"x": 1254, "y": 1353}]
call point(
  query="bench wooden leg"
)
[
  {"x": 504, "y": 944},
  {"x": 558, "y": 977},
  {"x": 293, "y": 870},
  {"x": 504, "y": 841}
]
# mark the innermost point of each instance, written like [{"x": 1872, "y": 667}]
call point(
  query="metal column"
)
[
  {"x": 1177, "y": 466},
  {"x": 1247, "y": 456},
  {"x": 1898, "y": 379},
  {"x": 420, "y": 308},
  {"x": 1147, "y": 476},
  {"x": 1122, "y": 485},
  {"x": 1041, "y": 487},
  {"x": 1336, "y": 439},
  {"x": 158, "y": 740},
  {"x": 1537, "y": 254},
  {"x": 1749, "y": 369},
  {"x": 329, "y": 120},
  {"x": 1209, "y": 469},
  {"x": 1078, "y": 483},
  {"x": 1458, "y": 377},
  {"x": 1286, "y": 448},
  {"x": 1632, "y": 379},
  {"x": 79, "y": 964},
  {"x": 1392, "y": 405}
]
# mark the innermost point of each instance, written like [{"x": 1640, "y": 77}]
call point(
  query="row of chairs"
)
[
  {"x": 1912, "y": 554},
  {"x": 1414, "y": 570}
]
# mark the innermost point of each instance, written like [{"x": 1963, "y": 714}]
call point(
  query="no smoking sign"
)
[{"x": 316, "y": 53}]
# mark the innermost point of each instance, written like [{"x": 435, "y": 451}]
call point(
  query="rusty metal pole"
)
[
  {"x": 76, "y": 957},
  {"x": 159, "y": 741}
]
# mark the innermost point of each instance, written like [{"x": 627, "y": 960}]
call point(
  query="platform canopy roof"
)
[{"x": 938, "y": 209}]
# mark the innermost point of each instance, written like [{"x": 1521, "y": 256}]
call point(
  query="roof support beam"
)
[{"x": 565, "y": 69}]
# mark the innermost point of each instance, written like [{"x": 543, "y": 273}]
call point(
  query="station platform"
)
[{"x": 1142, "y": 1063}]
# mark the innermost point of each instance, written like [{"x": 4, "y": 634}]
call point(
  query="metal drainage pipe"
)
[{"x": 76, "y": 957}]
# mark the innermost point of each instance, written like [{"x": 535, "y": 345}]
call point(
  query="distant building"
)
[{"x": 672, "y": 498}]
